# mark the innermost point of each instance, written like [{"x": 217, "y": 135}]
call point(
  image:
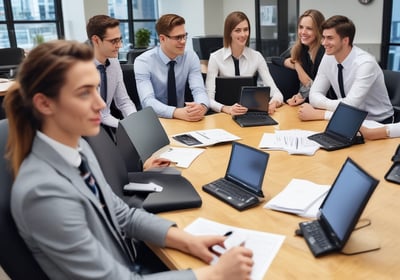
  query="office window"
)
[
  {"x": 133, "y": 15},
  {"x": 26, "y": 23},
  {"x": 390, "y": 52}
]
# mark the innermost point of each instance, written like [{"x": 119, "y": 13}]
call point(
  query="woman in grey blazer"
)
[{"x": 75, "y": 233}]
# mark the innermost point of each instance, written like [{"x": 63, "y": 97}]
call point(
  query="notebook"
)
[
  {"x": 228, "y": 89},
  {"x": 340, "y": 210},
  {"x": 242, "y": 185},
  {"x": 341, "y": 131},
  {"x": 256, "y": 99}
]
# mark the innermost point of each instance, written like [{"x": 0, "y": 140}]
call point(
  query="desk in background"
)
[{"x": 294, "y": 260}]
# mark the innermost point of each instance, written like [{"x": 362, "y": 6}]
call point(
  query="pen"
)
[{"x": 228, "y": 233}]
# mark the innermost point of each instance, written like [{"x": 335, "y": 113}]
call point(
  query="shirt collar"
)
[
  {"x": 165, "y": 59},
  {"x": 227, "y": 53},
  {"x": 106, "y": 64},
  {"x": 71, "y": 155}
]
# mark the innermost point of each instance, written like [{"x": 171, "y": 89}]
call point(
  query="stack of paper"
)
[
  {"x": 293, "y": 141},
  {"x": 264, "y": 245},
  {"x": 203, "y": 138},
  {"x": 300, "y": 197}
]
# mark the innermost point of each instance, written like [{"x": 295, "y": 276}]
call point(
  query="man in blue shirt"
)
[
  {"x": 105, "y": 36},
  {"x": 152, "y": 68}
]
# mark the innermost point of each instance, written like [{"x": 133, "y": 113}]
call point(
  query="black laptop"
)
[
  {"x": 242, "y": 185},
  {"x": 341, "y": 131},
  {"x": 228, "y": 89},
  {"x": 340, "y": 210},
  {"x": 256, "y": 99}
]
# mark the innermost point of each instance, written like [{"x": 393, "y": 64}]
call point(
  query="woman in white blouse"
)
[{"x": 222, "y": 63}]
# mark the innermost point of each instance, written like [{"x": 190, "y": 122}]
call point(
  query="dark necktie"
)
[
  {"x": 91, "y": 183},
  {"x": 103, "y": 80},
  {"x": 87, "y": 176},
  {"x": 340, "y": 80},
  {"x": 236, "y": 62},
  {"x": 171, "y": 85}
]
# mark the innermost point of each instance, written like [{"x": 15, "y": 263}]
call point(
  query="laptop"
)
[
  {"x": 340, "y": 210},
  {"x": 241, "y": 187},
  {"x": 256, "y": 99},
  {"x": 228, "y": 89},
  {"x": 341, "y": 131}
]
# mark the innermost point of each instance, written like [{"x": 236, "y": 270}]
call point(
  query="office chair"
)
[
  {"x": 15, "y": 257},
  {"x": 10, "y": 58},
  {"x": 392, "y": 82},
  {"x": 130, "y": 84},
  {"x": 177, "y": 193}
]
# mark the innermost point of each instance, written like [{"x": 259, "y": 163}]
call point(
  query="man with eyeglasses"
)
[
  {"x": 105, "y": 36},
  {"x": 163, "y": 88}
]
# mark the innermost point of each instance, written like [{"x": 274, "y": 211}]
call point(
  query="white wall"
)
[
  {"x": 76, "y": 13},
  {"x": 366, "y": 18},
  {"x": 192, "y": 11}
]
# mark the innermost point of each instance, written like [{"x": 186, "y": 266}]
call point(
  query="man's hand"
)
[
  {"x": 296, "y": 99},
  {"x": 191, "y": 112},
  {"x": 309, "y": 113}
]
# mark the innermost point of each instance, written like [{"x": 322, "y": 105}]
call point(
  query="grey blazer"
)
[{"x": 64, "y": 224}]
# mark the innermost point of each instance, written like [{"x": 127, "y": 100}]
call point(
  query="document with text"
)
[
  {"x": 264, "y": 245},
  {"x": 203, "y": 138}
]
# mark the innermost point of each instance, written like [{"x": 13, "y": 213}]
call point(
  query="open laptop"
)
[
  {"x": 242, "y": 185},
  {"x": 341, "y": 131},
  {"x": 340, "y": 210},
  {"x": 228, "y": 89},
  {"x": 256, "y": 99}
]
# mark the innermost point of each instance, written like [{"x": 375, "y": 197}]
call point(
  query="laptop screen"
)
[
  {"x": 227, "y": 89},
  {"x": 247, "y": 167},
  {"x": 346, "y": 121},
  {"x": 255, "y": 98},
  {"x": 346, "y": 200}
]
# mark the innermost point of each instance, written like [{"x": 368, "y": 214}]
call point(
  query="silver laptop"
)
[
  {"x": 256, "y": 99},
  {"x": 242, "y": 185},
  {"x": 340, "y": 210}
]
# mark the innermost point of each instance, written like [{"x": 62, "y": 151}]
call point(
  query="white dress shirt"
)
[
  {"x": 363, "y": 81},
  {"x": 250, "y": 62}
]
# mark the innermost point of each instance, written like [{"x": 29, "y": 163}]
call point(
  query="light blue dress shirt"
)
[{"x": 151, "y": 73}]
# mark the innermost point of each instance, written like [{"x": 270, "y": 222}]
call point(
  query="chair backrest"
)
[
  {"x": 134, "y": 53},
  {"x": 130, "y": 84},
  {"x": 112, "y": 165},
  {"x": 11, "y": 56},
  {"x": 15, "y": 257},
  {"x": 285, "y": 79},
  {"x": 392, "y": 82},
  {"x": 145, "y": 131}
]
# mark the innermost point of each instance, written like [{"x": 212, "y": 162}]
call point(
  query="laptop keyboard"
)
[
  {"x": 325, "y": 141},
  {"x": 256, "y": 118},
  {"x": 316, "y": 238},
  {"x": 231, "y": 194}
]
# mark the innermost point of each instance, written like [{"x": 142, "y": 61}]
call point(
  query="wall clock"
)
[{"x": 365, "y": 2}]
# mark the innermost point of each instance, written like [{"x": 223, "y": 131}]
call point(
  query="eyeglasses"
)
[
  {"x": 178, "y": 37},
  {"x": 115, "y": 41}
]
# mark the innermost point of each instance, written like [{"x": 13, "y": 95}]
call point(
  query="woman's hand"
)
[
  {"x": 235, "y": 109},
  {"x": 296, "y": 99},
  {"x": 152, "y": 162}
]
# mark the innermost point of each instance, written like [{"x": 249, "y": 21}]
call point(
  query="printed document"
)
[
  {"x": 264, "y": 245},
  {"x": 293, "y": 141}
]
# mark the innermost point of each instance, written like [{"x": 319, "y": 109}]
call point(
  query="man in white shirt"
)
[
  {"x": 105, "y": 36},
  {"x": 363, "y": 84}
]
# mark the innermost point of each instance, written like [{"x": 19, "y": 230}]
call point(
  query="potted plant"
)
[
  {"x": 38, "y": 39},
  {"x": 142, "y": 38}
]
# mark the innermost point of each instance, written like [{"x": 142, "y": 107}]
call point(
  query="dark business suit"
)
[{"x": 64, "y": 224}]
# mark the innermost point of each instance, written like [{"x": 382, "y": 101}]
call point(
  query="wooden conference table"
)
[{"x": 294, "y": 259}]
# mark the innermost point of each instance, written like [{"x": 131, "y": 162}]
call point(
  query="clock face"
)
[{"x": 365, "y": 2}]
